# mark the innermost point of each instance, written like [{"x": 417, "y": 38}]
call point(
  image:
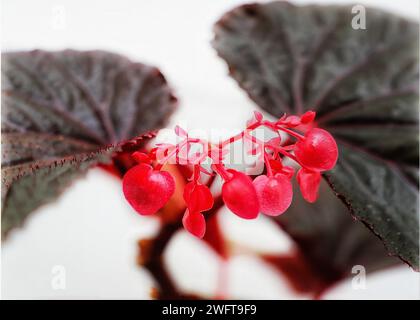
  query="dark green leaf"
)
[
  {"x": 363, "y": 85},
  {"x": 63, "y": 112}
]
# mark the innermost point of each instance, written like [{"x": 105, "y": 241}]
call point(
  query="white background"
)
[{"x": 90, "y": 230}]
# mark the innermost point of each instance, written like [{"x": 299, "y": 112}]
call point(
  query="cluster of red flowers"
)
[{"x": 147, "y": 188}]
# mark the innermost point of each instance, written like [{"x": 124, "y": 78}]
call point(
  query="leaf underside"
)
[
  {"x": 363, "y": 84},
  {"x": 64, "y": 112}
]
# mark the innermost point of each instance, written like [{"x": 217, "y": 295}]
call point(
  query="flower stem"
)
[
  {"x": 267, "y": 165},
  {"x": 220, "y": 169}
]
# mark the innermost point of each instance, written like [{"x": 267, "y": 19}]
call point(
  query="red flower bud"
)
[
  {"x": 317, "y": 151},
  {"x": 309, "y": 184},
  {"x": 141, "y": 157},
  {"x": 292, "y": 121},
  {"x": 240, "y": 196},
  {"x": 307, "y": 117},
  {"x": 274, "y": 194},
  {"x": 147, "y": 190},
  {"x": 198, "y": 197},
  {"x": 194, "y": 223}
]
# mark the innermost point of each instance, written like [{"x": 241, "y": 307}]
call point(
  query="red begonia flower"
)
[
  {"x": 309, "y": 184},
  {"x": 274, "y": 193},
  {"x": 147, "y": 190},
  {"x": 198, "y": 197},
  {"x": 317, "y": 151},
  {"x": 194, "y": 223},
  {"x": 240, "y": 196}
]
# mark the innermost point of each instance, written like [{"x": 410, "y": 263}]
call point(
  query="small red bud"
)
[
  {"x": 307, "y": 117},
  {"x": 141, "y": 157},
  {"x": 180, "y": 132},
  {"x": 317, "y": 151},
  {"x": 194, "y": 223},
  {"x": 309, "y": 184},
  {"x": 198, "y": 197},
  {"x": 274, "y": 194},
  {"x": 258, "y": 116},
  {"x": 147, "y": 190},
  {"x": 292, "y": 121},
  {"x": 240, "y": 196}
]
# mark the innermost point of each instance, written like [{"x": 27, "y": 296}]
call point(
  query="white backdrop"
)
[{"x": 90, "y": 231}]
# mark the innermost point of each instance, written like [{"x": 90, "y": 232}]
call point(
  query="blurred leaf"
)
[
  {"x": 330, "y": 243},
  {"x": 363, "y": 85},
  {"x": 63, "y": 112}
]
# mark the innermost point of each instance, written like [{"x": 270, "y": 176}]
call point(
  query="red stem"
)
[
  {"x": 291, "y": 132},
  {"x": 267, "y": 165},
  {"x": 220, "y": 169}
]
